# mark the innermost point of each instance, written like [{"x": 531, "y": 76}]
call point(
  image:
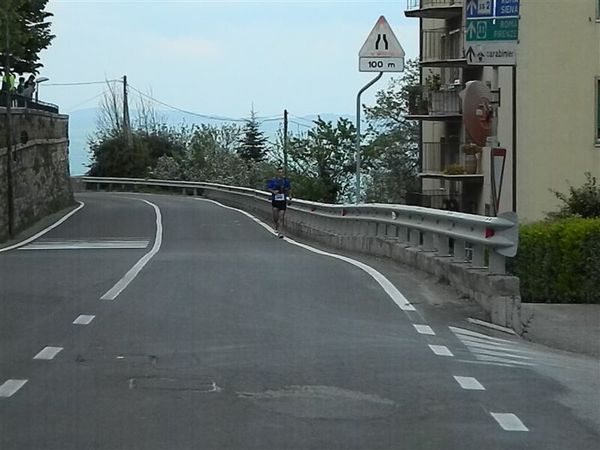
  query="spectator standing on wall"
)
[{"x": 29, "y": 87}]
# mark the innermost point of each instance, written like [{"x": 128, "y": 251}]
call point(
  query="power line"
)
[
  {"x": 191, "y": 113},
  {"x": 303, "y": 119},
  {"x": 81, "y": 83},
  {"x": 85, "y": 101}
]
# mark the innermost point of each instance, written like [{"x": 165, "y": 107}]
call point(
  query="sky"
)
[{"x": 219, "y": 57}]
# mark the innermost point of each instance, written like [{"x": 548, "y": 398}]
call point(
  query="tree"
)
[
  {"x": 253, "y": 141},
  {"x": 393, "y": 140},
  {"x": 29, "y": 33},
  {"x": 324, "y": 161}
]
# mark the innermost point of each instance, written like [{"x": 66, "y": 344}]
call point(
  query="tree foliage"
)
[
  {"x": 29, "y": 33},
  {"x": 581, "y": 201},
  {"x": 324, "y": 161},
  {"x": 393, "y": 140}
]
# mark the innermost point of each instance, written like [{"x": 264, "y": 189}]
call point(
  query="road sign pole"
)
[{"x": 358, "y": 153}]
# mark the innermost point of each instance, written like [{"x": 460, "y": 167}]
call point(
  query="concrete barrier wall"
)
[
  {"x": 40, "y": 167},
  {"x": 498, "y": 295}
]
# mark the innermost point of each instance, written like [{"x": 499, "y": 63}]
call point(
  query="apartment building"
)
[{"x": 548, "y": 107}]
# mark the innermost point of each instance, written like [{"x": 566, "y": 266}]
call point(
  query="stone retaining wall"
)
[{"x": 40, "y": 167}]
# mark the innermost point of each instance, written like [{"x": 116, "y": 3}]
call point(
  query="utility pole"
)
[
  {"x": 285, "y": 142},
  {"x": 126, "y": 120},
  {"x": 8, "y": 100}
]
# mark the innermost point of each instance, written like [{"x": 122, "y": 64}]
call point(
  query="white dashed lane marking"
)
[
  {"x": 83, "y": 320},
  {"x": 469, "y": 383},
  {"x": 509, "y": 422},
  {"x": 440, "y": 350},
  {"x": 424, "y": 329},
  {"x": 48, "y": 353},
  {"x": 10, "y": 387}
]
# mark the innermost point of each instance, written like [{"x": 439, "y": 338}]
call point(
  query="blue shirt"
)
[{"x": 281, "y": 185}]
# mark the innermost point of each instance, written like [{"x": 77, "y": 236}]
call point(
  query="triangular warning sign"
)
[{"x": 382, "y": 42}]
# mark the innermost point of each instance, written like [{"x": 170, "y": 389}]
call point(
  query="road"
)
[{"x": 159, "y": 322}]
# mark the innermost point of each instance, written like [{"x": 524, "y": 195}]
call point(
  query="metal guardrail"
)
[{"x": 484, "y": 242}]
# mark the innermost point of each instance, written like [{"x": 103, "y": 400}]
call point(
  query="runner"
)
[{"x": 280, "y": 189}]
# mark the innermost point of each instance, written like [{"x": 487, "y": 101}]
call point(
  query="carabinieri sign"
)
[{"x": 491, "y": 32}]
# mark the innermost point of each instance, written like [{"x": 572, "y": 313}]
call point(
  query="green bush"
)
[{"x": 559, "y": 261}]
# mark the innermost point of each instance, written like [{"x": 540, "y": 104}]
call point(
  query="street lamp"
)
[{"x": 37, "y": 90}]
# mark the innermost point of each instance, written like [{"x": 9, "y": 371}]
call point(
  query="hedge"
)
[{"x": 559, "y": 261}]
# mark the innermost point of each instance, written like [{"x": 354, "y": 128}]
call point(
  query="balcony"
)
[
  {"x": 438, "y": 105},
  {"x": 437, "y": 199},
  {"x": 433, "y": 9},
  {"x": 443, "y": 48},
  {"x": 445, "y": 161}
]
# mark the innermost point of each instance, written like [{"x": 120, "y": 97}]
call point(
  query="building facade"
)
[{"x": 548, "y": 108}]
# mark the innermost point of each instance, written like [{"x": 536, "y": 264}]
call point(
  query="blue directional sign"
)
[
  {"x": 507, "y": 8},
  {"x": 479, "y": 8}
]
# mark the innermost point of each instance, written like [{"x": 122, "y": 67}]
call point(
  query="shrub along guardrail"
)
[
  {"x": 467, "y": 250},
  {"x": 559, "y": 261}
]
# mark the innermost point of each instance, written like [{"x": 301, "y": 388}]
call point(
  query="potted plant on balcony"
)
[
  {"x": 455, "y": 169},
  {"x": 433, "y": 83},
  {"x": 472, "y": 154}
]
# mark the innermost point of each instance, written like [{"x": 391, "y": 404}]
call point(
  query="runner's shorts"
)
[{"x": 279, "y": 204}]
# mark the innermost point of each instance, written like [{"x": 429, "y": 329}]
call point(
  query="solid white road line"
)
[
  {"x": 496, "y": 347},
  {"x": 479, "y": 351},
  {"x": 463, "y": 331},
  {"x": 509, "y": 422},
  {"x": 10, "y": 387},
  {"x": 469, "y": 383},
  {"x": 83, "y": 320},
  {"x": 504, "y": 360},
  {"x": 387, "y": 286},
  {"x": 136, "y": 269},
  {"x": 440, "y": 350},
  {"x": 44, "y": 231},
  {"x": 85, "y": 245},
  {"x": 424, "y": 329},
  {"x": 48, "y": 353}
]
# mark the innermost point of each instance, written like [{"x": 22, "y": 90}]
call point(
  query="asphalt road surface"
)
[{"x": 158, "y": 322}]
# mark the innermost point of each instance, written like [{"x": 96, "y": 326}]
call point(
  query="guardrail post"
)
[
  {"x": 460, "y": 250},
  {"x": 391, "y": 231},
  {"x": 415, "y": 238},
  {"x": 403, "y": 235},
  {"x": 497, "y": 263},
  {"x": 478, "y": 255},
  {"x": 443, "y": 245},
  {"x": 428, "y": 245}
]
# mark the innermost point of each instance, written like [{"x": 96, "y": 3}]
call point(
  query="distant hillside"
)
[{"x": 82, "y": 125}]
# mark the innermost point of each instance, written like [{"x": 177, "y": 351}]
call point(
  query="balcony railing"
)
[
  {"x": 437, "y": 156},
  {"x": 437, "y": 199},
  {"x": 442, "y": 47},
  {"x": 439, "y": 9},
  {"x": 434, "y": 105},
  {"x": 20, "y": 101}
]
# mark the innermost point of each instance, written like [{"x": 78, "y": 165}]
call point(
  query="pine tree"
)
[{"x": 253, "y": 142}]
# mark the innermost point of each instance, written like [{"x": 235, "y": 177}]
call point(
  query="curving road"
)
[{"x": 158, "y": 322}]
